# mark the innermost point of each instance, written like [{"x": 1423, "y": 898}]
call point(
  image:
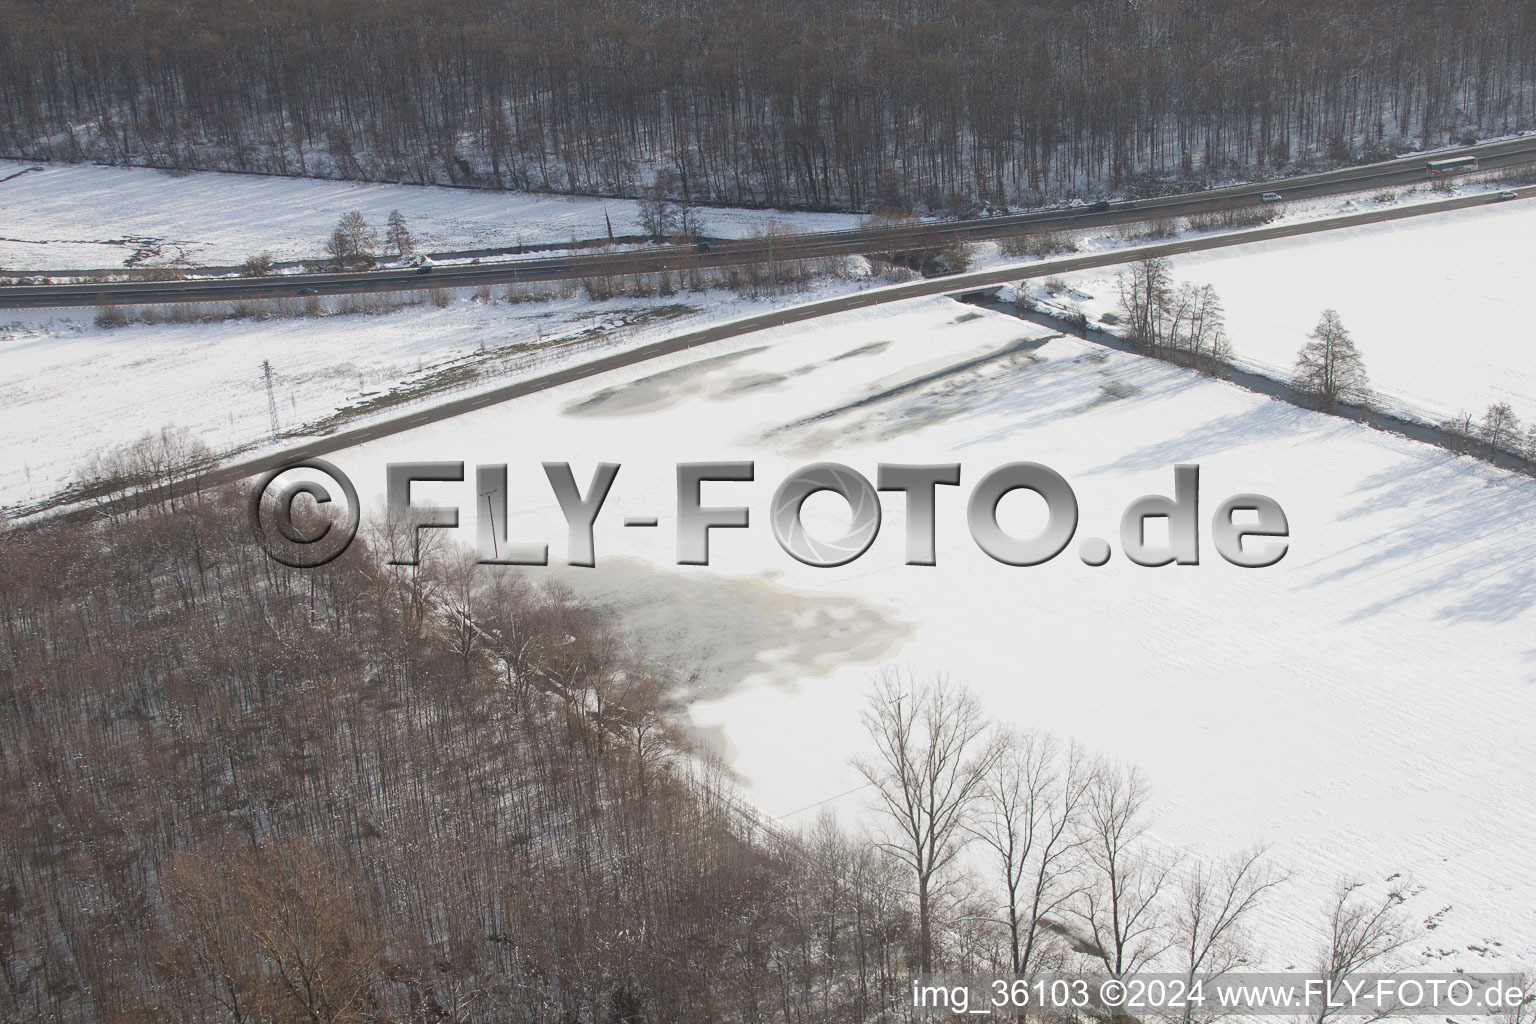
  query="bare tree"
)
[
  {"x": 1363, "y": 931},
  {"x": 1146, "y": 288},
  {"x": 397, "y": 236},
  {"x": 1329, "y": 366},
  {"x": 1199, "y": 326},
  {"x": 1122, "y": 899},
  {"x": 165, "y": 460},
  {"x": 1211, "y": 902},
  {"x": 352, "y": 241},
  {"x": 690, "y": 223},
  {"x": 1500, "y": 428},
  {"x": 460, "y": 575},
  {"x": 932, "y": 756},
  {"x": 1029, "y": 819},
  {"x": 1185, "y": 324},
  {"x": 658, "y": 211}
]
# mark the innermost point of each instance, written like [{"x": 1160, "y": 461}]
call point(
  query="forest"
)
[
  {"x": 234, "y": 792},
  {"x": 938, "y": 105},
  {"x": 441, "y": 794}
]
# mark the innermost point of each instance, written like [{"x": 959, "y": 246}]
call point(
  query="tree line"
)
[
  {"x": 1066, "y": 874},
  {"x": 945, "y": 105},
  {"x": 1185, "y": 324}
]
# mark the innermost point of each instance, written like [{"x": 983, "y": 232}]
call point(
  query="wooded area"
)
[
  {"x": 944, "y": 104},
  {"x": 230, "y": 791}
]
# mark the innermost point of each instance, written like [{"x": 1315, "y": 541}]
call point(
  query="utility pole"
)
[{"x": 266, "y": 369}]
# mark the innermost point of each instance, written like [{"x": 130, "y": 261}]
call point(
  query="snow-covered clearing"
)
[
  {"x": 82, "y": 216},
  {"x": 1367, "y": 704},
  {"x": 1442, "y": 307}
]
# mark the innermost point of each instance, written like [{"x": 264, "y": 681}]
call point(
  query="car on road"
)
[
  {"x": 1509, "y": 193},
  {"x": 1270, "y": 197},
  {"x": 1102, "y": 204},
  {"x": 306, "y": 291}
]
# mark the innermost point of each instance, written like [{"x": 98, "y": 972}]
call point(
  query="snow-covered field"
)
[
  {"x": 57, "y": 217},
  {"x": 1367, "y": 704},
  {"x": 83, "y": 217},
  {"x": 1442, "y": 307},
  {"x": 208, "y": 378},
  {"x": 69, "y": 389}
]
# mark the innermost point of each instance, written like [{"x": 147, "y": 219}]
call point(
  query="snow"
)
[
  {"x": 71, "y": 389},
  {"x": 207, "y": 377},
  {"x": 1366, "y": 704},
  {"x": 1441, "y": 307},
  {"x": 83, "y": 216},
  {"x": 58, "y": 217}
]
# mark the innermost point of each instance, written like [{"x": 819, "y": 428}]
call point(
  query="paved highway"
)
[
  {"x": 954, "y": 285},
  {"x": 1491, "y": 156}
]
